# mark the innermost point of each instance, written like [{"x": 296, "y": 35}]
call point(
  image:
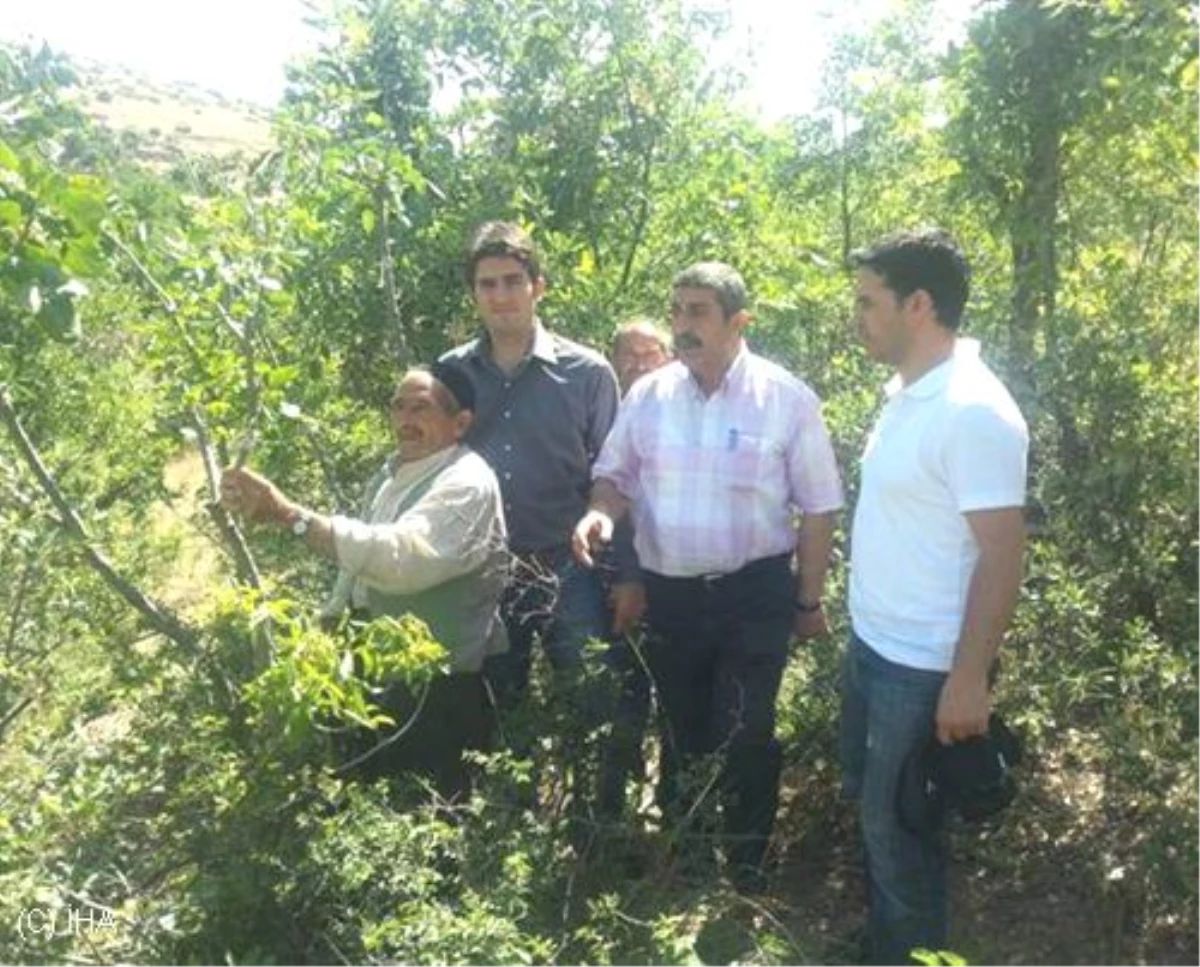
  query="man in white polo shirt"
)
[
  {"x": 935, "y": 566},
  {"x": 715, "y": 455}
]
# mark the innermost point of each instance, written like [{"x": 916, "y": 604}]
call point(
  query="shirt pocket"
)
[{"x": 754, "y": 463}]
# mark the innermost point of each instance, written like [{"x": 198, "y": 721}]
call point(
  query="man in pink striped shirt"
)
[{"x": 715, "y": 456}]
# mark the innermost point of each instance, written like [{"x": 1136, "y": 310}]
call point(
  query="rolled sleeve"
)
[
  {"x": 443, "y": 536},
  {"x": 812, "y": 470},
  {"x": 618, "y": 460}
]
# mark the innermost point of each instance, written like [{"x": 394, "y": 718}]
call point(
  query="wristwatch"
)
[{"x": 300, "y": 524}]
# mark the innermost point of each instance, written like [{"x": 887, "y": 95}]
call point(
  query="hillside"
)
[{"x": 169, "y": 119}]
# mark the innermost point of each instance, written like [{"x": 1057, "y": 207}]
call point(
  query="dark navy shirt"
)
[{"x": 540, "y": 428}]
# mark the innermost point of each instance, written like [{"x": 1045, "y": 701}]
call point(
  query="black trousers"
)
[
  {"x": 717, "y": 653},
  {"x": 456, "y": 715}
]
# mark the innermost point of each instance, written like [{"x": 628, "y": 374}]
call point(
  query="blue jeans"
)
[{"x": 887, "y": 710}]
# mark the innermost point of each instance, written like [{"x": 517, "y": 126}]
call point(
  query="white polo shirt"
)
[{"x": 952, "y": 442}]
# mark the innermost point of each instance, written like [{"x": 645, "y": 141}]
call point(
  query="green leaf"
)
[
  {"x": 10, "y": 212},
  {"x": 8, "y": 158}
]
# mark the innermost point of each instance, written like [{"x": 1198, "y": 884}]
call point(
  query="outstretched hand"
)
[{"x": 251, "y": 495}]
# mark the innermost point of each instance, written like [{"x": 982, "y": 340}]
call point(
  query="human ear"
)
[{"x": 462, "y": 422}]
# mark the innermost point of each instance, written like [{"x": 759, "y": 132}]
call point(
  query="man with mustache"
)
[
  {"x": 715, "y": 455},
  {"x": 430, "y": 541}
]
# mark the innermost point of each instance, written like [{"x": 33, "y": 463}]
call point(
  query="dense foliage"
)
[{"x": 165, "y": 752}]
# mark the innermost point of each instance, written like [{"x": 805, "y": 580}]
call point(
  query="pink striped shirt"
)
[{"x": 715, "y": 482}]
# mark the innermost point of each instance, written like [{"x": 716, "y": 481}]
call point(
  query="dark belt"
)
[{"x": 721, "y": 580}]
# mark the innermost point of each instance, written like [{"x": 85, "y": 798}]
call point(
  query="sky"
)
[{"x": 238, "y": 47}]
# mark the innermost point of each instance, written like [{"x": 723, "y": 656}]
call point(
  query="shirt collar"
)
[
  {"x": 544, "y": 346},
  {"x": 934, "y": 381},
  {"x": 734, "y": 375},
  {"x": 417, "y": 468}
]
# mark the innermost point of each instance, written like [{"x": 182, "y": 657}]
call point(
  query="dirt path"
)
[{"x": 198, "y": 563}]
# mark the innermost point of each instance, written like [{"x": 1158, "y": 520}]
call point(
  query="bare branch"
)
[
  {"x": 167, "y": 302},
  {"x": 387, "y": 270},
  {"x": 12, "y": 713},
  {"x": 387, "y": 739},
  {"x": 153, "y": 613},
  {"x": 343, "y": 502}
]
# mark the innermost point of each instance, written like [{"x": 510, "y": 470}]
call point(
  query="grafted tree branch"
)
[
  {"x": 244, "y": 562},
  {"x": 247, "y": 570}
]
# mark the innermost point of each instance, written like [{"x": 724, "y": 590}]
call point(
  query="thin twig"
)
[
  {"x": 246, "y": 568},
  {"x": 389, "y": 740},
  {"x": 13, "y": 712},
  {"x": 168, "y": 303},
  {"x": 387, "y": 270},
  {"x": 342, "y": 958},
  {"x": 18, "y": 609},
  {"x": 170, "y": 306}
]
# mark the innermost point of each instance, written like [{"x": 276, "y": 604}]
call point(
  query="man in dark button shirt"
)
[{"x": 544, "y": 406}]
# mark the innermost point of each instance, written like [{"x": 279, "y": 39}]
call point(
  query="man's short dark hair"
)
[
  {"x": 502, "y": 240},
  {"x": 450, "y": 387},
  {"x": 927, "y": 259},
  {"x": 722, "y": 279}
]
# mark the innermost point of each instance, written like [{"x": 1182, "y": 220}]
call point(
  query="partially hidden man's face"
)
[
  {"x": 635, "y": 355},
  {"x": 881, "y": 319},
  {"x": 704, "y": 339},
  {"x": 425, "y": 418},
  {"x": 506, "y": 296}
]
